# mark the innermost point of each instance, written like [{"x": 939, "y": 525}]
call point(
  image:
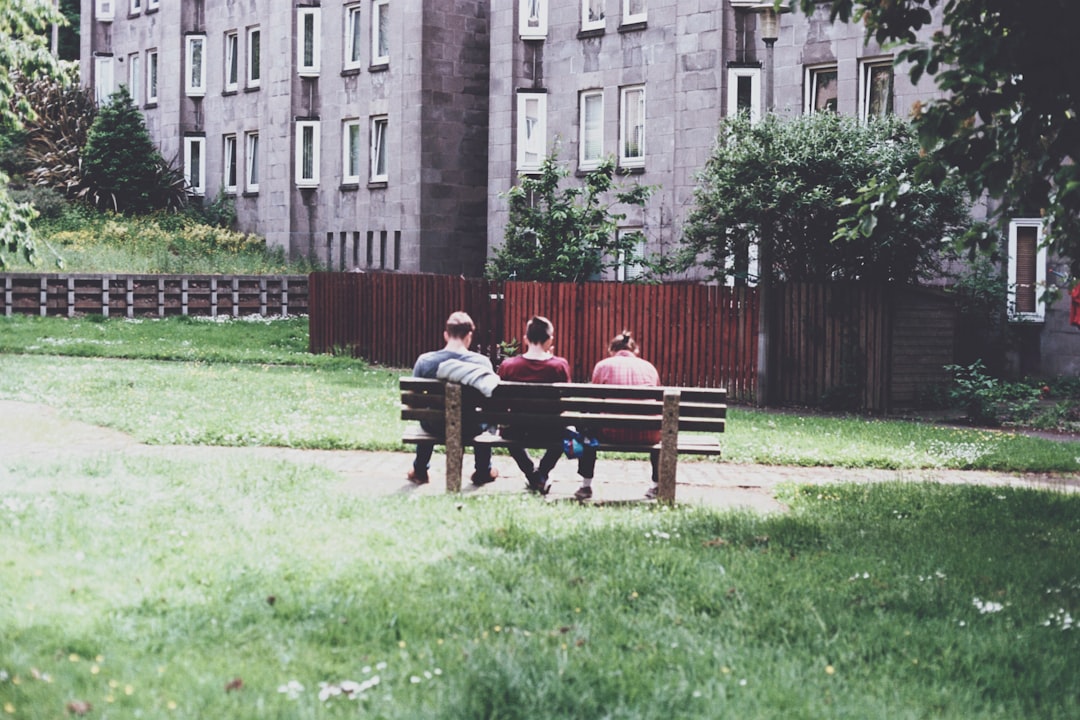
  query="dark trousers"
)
[
  {"x": 587, "y": 463},
  {"x": 481, "y": 452},
  {"x": 525, "y": 463}
]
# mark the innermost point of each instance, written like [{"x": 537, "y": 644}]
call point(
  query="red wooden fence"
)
[{"x": 696, "y": 335}]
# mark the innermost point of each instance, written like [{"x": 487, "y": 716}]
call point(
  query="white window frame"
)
[
  {"x": 105, "y": 10},
  {"x": 533, "y": 19},
  {"x": 352, "y": 155},
  {"x": 810, "y": 89},
  {"x": 626, "y": 271},
  {"x": 587, "y": 131},
  {"x": 380, "y": 36},
  {"x": 251, "y": 162},
  {"x": 531, "y": 143},
  {"x": 379, "y": 128},
  {"x": 152, "y": 4},
  {"x": 354, "y": 56},
  {"x": 229, "y": 164},
  {"x": 733, "y": 76},
  {"x": 308, "y": 28},
  {"x": 232, "y": 61},
  {"x": 629, "y": 17},
  {"x": 195, "y": 65},
  {"x": 586, "y": 23},
  {"x": 134, "y": 82},
  {"x": 307, "y": 141},
  {"x": 195, "y": 149},
  {"x": 253, "y": 55},
  {"x": 104, "y": 78},
  {"x": 135, "y": 7},
  {"x": 151, "y": 77},
  {"x": 1040, "y": 271},
  {"x": 625, "y": 159},
  {"x": 866, "y": 74}
]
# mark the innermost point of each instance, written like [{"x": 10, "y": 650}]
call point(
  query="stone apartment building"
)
[{"x": 381, "y": 133}]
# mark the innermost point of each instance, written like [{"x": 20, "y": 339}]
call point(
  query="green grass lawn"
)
[{"x": 262, "y": 589}]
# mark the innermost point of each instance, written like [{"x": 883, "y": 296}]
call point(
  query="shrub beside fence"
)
[{"x": 155, "y": 295}]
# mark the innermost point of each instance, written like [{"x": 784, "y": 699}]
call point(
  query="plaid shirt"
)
[{"x": 626, "y": 368}]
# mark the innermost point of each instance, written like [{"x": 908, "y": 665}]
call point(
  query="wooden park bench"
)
[{"x": 675, "y": 412}]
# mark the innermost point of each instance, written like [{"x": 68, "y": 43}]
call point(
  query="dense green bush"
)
[{"x": 122, "y": 169}]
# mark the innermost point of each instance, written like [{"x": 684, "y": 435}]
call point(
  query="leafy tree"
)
[
  {"x": 23, "y": 50},
  {"x": 567, "y": 233},
  {"x": 1009, "y": 123},
  {"x": 791, "y": 181},
  {"x": 122, "y": 168}
]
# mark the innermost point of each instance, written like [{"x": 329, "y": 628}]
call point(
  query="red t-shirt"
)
[
  {"x": 1074, "y": 312},
  {"x": 522, "y": 369}
]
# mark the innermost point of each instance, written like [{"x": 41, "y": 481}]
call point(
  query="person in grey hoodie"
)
[{"x": 458, "y": 336}]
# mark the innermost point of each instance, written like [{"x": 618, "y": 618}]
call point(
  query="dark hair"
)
[
  {"x": 459, "y": 325},
  {"x": 623, "y": 341},
  {"x": 539, "y": 330}
]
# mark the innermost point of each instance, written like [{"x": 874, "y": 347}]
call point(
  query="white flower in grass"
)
[
  {"x": 380, "y": 665},
  {"x": 988, "y": 606},
  {"x": 415, "y": 679},
  {"x": 291, "y": 689},
  {"x": 1061, "y": 619}
]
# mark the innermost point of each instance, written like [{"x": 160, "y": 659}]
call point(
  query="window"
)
[
  {"x": 135, "y": 78},
  {"x": 380, "y": 32},
  {"x": 232, "y": 61},
  {"x": 195, "y": 78},
  {"x": 151, "y": 77},
  {"x": 744, "y": 92},
  {"x": 378, "y": 149},
  {"x": 307, "y": 42},
  {"x": 136, "y": 7},
  {"x": 229, "y": 163},
  {"x": 152, "y": 4},
  {"x": 254, "y": 42},
  {"x": 532, "y": 19},
  {"x": 307, "y": 153},
  {"x": 351, "y": 155},
  {"x": 104, "y": 10},
  {"x": 195, "y": 164},
  {"x": 251, "y": 170},
  {"x": 103, "y": 78},
  {"x": 591, "y": 144},
  {"x": 592, "y": 14},
  {"x": 876, "y": 90},
  {"x": 632, "y": 127},
  {"x": 633, "y": 11},
  {"x": 353, "y": 38},
  {"x": 820, "y": 89},
  {"x": 630, "y": 266},
  {"x": 531, "y": 130},
  {"x": 1027, "y": 270}
]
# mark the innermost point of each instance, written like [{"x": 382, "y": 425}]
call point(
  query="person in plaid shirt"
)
[{"x": 623, "y": 367}]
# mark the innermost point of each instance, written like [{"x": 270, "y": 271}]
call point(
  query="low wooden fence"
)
[
  {"x": 156, "y": 295},
  {"x": 696, "y": 335}
]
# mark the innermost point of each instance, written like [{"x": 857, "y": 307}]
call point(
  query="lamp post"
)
[{"x": 769, "y": 27}]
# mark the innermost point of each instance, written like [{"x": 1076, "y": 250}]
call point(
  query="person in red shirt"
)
[
  {"x": 622, "y": 367},
  {"x": 536, "y": 365}
]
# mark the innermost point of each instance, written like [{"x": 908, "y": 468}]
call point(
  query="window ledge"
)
[
  {"x": 349, "y": 187},
  {"x": 631, "y": 170},
  {"x": 585, "y": 171},
  {"x": 381, "y": 67},
  {"x": 634, "y": 27},
  {"x": 227, "y": 93},
  {"x": 150, "y": 106},
  {"x": 350, "y": 71},
  {"x": 151, "y": 11},
  {"x": 252, "y": 88},
  {"x": 378, "y": 185},
  {"x": 591, "y": 33},
  {"x": 250, "y": 194}
]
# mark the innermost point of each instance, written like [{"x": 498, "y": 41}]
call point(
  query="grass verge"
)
[{"x": 260, "y": 590}]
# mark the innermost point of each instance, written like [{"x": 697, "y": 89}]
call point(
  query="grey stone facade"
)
[
  {"x": 451, "y": 93},
  {"x": 426, "y": 214}
]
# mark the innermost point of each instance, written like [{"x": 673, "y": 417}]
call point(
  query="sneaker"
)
[
  {"x": 483, "y": 478},
  {"x": 539, "y": 485},
  {"x": 417, "y": 477},
  {"x": 650, "y": 494},
  {"x": 583, "y": 493}
]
